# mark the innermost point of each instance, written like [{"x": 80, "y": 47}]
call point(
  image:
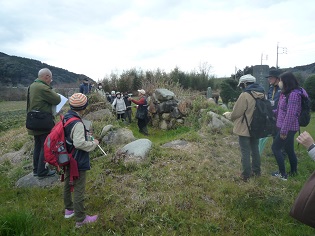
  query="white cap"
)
[{"x": 246, "y": 78}]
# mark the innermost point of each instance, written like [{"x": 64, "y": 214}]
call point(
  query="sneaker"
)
[
  {"x": 49, "y": 174},
  {"x": 276, "y": 174},
  {"x": 284, "y": 177},
  {"x": 88, "y": 219},
  {"x": 280, "y": 176},
  {"x": 69, "y": 213}
]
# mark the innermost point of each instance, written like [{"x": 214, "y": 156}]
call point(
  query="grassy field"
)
[{"x": 187, "y": 191}]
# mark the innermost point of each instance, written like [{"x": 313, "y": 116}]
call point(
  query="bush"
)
[
  {"x": 309, "y": 86},
  {"x": 229, "y": 91}
]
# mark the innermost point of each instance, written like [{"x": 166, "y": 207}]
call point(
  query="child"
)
[{"x": 76, "y": 133}]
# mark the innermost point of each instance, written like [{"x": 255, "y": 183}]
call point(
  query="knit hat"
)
[
  {"x": 78, "y": 101},
  {"x": 141, "y": 91}
]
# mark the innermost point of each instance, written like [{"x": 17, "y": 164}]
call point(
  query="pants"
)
[
  {"x": 142, "y": 124},
  {"x": 288, "y": 146},
  {"x": 78, "y": 195},
  {"x": 121, "y": 116},
  {"x": 249, "y": 147},
  {"x": 38, "y": 155},
  {"x": 128, "y": 115}
]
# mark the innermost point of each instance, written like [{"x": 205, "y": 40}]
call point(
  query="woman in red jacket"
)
[{"x": 142, "y": 112}]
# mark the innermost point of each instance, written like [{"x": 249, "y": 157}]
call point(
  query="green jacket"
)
[{"x": 41, "y": 98}]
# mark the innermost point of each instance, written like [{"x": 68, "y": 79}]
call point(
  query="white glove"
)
[{"x": 227, "y": 115}]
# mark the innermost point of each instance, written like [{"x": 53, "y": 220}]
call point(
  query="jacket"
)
[
  {"x": 289, "y": 110},
  {"x": 245, "y": 104},
  {"x": 76, "y": 134},
  {"x": 119, "y": 105},
  {"x": 41, "y": 98},
  {"x": 274, "y": 95}
]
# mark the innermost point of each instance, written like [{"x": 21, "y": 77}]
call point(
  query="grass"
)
[{"x": 187, "y": 191}]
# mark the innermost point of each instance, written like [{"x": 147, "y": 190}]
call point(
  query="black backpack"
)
[
  {"x": 305, "y": 116},
  {"x": 263, "y": 123}
]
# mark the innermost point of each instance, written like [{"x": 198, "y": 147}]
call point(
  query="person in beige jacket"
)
[{"x": 244, "y": 106}]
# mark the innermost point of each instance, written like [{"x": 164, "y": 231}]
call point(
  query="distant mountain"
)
[
  {"x": 304, "y": 71},
  {"x": 21, "y": 72}
]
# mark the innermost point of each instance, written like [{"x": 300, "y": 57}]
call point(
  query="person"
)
[
  {"x": 128, "y": 107},
  {"x": 77, "y": 134},
  {"x": 274, "y": 90},
  {"x": 142, "y": 104},
  {"x": 244, "y": 106},
  {"x": 273, "y": 96},
  {"x": 112, "y": 96},
  {"x": 85, "y": 87},
  {"x": 41, "y": 98},
  {"x": 100, "y": 90},
  {"x": 307, "y": 141},
  {"x": 287, "y": 114},
  {"x": 119, "y": 106}
]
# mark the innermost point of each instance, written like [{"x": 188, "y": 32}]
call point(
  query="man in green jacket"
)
[{"x": 41, "y": 98}]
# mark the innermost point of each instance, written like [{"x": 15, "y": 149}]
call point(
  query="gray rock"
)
[
  {"x": 32, "y": 181},
  {"x": 106, "y": 129},
  {"x": 163, "y": 95},
  {"x": 136, "y": 150},
  {"x": 120, "y": 136}
]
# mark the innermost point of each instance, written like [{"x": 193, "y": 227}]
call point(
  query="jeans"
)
[
  {"x": 288, "y": 145},
  {"x": 38, "y": 155},
  {"x": 78, "y": 195},
  {"x": 249, "y": 147}
]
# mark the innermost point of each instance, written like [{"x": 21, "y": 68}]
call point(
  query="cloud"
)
[{"x": 99, "y": 36}]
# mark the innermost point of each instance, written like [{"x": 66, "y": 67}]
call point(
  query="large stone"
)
[
  {"x": 136, "y": 150},
  {"x": 32, "y": 181},
  {"x": 120, "y": 136},
  {"x": 164, "y": 95}
]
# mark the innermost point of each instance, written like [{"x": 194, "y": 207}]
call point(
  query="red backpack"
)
[{"x": 55, "y": 150}]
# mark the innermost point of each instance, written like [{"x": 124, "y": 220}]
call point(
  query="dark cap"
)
[{"x": 274, "y": 73}]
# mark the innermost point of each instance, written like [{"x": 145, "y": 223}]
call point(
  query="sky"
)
[{"x": 100, "y": 37}]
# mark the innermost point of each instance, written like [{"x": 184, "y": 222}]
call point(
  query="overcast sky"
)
[{"x": 97, "y": 37}]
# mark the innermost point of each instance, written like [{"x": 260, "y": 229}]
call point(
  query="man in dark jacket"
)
[
  {"x": 274, "y": 90},
  {"x": 41, "y": 98},
  {"x": 85, "y": 87}
]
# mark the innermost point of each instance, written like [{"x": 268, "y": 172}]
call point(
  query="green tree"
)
[
  {"x": 309, "y": 86},
  {"x": 229, "y": 91}
]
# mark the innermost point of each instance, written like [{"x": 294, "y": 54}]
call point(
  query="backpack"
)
[
  {"x": 263, "y": 122},
  {"x": 305, "y": 115},
  {"x": 55, "y": 150}
]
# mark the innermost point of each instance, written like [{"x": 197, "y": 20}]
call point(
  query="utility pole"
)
[
  {"x": 284, "y": 51},
  {"x": 262, "y": 58}
]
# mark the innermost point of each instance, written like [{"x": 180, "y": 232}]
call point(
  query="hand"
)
[
  {"x": 129, "y": 99},
  {"x": 227, "y": 115},
  {"x": 305, "y": 139},
  {"x": 96, "y": 141},
  {"x": 282, "y": 136}
]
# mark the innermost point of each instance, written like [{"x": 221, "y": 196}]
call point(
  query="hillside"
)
[{"x": 20, "y": 72}]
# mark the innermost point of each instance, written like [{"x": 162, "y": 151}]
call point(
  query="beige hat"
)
[
  {"x": 141, "y": 91},
  {"x": 247, "y": 78},
  {"x": 78, "y": 101}
]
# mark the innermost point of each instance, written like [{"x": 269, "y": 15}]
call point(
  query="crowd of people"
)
[{"x": 284, "y": 95}]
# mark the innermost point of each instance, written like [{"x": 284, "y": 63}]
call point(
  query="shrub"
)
[
  {"x": 309, "y": 86},
  {"x": 229, "y": 91}
]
